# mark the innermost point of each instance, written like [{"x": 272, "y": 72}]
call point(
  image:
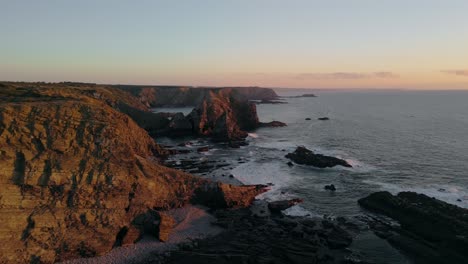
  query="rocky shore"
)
[
  {"x": 79, "y": 176},
  {"x": 82, "y": 175}
]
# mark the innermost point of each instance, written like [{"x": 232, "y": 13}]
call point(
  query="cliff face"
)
[{"x": 76, "y": 173}]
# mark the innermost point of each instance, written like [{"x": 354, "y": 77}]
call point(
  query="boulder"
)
[
  {"x": 330, "y": 187},
  {"x": 278, "y": 206},
  {"x": 304, "y": 156},
  {"x": 323, "y": 118}
]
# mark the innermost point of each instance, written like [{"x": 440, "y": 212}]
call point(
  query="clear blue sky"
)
[{"x": 316, "y": 44}]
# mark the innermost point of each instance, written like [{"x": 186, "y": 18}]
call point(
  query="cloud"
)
[
  {"x": 345, "y": 75},
  {"x": 456, "y": 72}
]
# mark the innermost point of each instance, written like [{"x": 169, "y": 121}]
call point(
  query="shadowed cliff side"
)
[
  {"x": 175, "y": 96},
  {"x": 76, "y": 174}
]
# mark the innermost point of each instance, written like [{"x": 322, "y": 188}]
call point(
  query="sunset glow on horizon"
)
[{"x": 290, "y": 44}]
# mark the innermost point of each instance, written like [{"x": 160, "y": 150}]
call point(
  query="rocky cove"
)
[{"x": 82, "y": 174}]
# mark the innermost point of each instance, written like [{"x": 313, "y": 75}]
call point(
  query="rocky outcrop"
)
[
  {"x": 304, "y": 156},
  {"x": 430, "y": 231},
  {"x": 250, "y": 238},
  {"x": 219, "y": 195},
  {"x": 278, "y": 206},
  {"x": 77, "y": 175},
  {"x": 224, "y": 117},
  {"x": 176, "y": 96}
]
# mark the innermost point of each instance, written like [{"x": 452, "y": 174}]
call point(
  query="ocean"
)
[{"x": 395, "y": 141}]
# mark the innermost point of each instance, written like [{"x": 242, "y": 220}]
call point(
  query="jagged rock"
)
[
  {"x": 430, "y": 231},
  {"x": 304, "y": 156},
  {"x": 221, "y": 195},
  {"x": 273, "y": 124},
  {"x": 223, "y": 116},
  {"x": 166, "y": 224},
  {"x": 278, "y": 206},
  {"x": 330, "y": 187}
]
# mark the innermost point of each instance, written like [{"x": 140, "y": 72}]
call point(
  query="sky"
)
[{"x": 417, "y": 44}]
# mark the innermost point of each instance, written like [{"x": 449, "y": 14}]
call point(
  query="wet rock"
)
[
  {"x": 430, "y": 231},
  {"x": 330, "y": 187},
  {"x": 278, "y": 206},
  {"x": 253, "y": 238},
  {"x": 304, "y": 156},
  {"x": 220, "y": 195},
  {"x": 203, "y": 149},
  {"x": 308, "y": 118},
  {"x": 290, "y": 164},
  {"x": 323, "y": 118},
  {"x": 273, "y": 124}
]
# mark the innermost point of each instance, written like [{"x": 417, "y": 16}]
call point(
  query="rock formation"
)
[
  {"x": 304, "y": 156},
  {"x": 77, "y": 174},
  {"x": 174, "y": 96},
  {"x": 224, "y": 117},
  {"x": 251, "y": 238},
  {"x": 430, "y": 231}
]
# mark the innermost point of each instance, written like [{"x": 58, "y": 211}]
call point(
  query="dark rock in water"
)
[
  {"x": 273, "y": 124},
  {"x": 278, "y": 206},
  {"x": 431, "y": 231},
  {"x": 181, "y": 151},
  {"x": 308, "y": 95},
  {"x": 237, "y": 144},
  {"x": 290, "y": 164},
  {"x": 330, "y": 187},
  {"x": 265, "y": 101},
  {"x": 308, "y": 118},
  {"x": 203, "y": 149},
  {"x": 184, "y": 144},
  {"x": 304, "y": 156},
  {"x": 323, "y": 118}
]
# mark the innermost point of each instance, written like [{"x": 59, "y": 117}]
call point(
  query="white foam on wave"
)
[
  {"x": 447, "y": 193},
  {"x": 298, "y": 210},
  {"x": 271, "y": 172},
  {"x": 253, "y": 135}
]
